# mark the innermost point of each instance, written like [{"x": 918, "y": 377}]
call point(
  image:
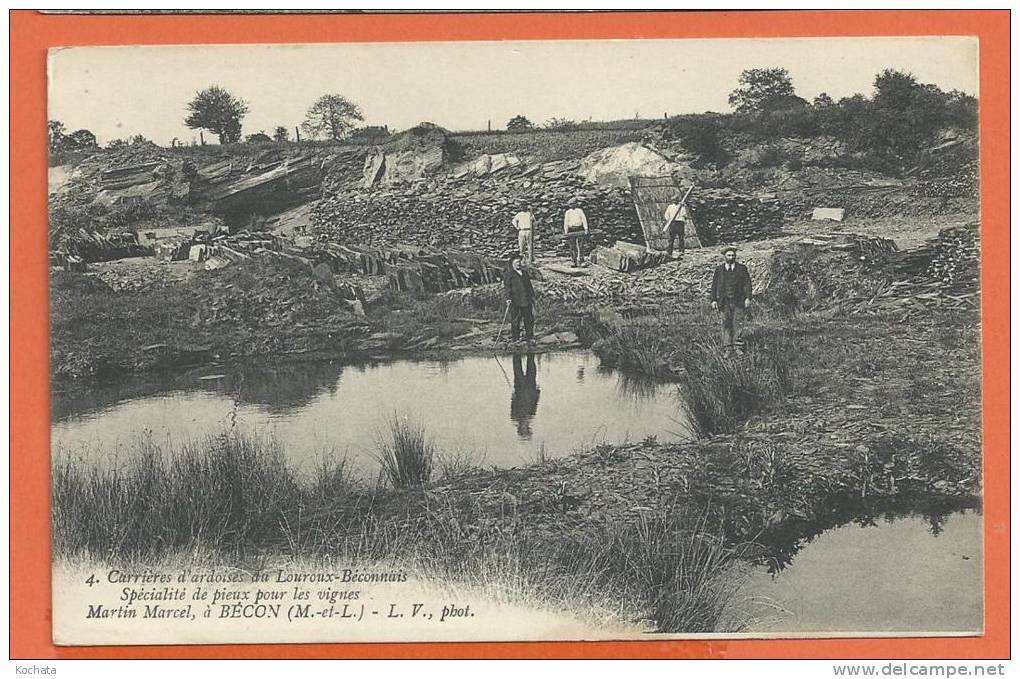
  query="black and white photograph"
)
[{"x": 515, "y": 340}]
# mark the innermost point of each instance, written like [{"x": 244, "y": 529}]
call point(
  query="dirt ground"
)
[
  {"x": 461, "y": 321},
  {"x": 907, "y": 232}
]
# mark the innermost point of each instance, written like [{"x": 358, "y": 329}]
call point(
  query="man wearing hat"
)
[
  {"x": 575, "y": 227},
  {"x": 524, "y": 222},
  {"x": 520, "y": 296},
  {"x": 731, "y": 294}
]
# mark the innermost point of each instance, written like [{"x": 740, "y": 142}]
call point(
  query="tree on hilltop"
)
[
  {"x": 218, "y": 111},
  {"x": 82, "y": 139},
  {"x": 764, "y": 89},
  {"x": 79, "y": 140},
  {"x": 259, "y": 137},
  {"x": 281, "y": 134},
  {"x": 519, "y": 123},
  {"x": 895, "y": 90},
  {"x": 331, "y": 116}
]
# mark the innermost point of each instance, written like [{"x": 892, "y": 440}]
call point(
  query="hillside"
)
[{"x": 427, "y": 186}]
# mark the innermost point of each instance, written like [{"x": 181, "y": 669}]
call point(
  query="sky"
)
[{"x": 121, "y": 91}]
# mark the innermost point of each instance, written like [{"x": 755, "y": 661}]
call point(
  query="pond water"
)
[
  {"x": 504, "y": 411},
  {"x": 893, "y": 574}
]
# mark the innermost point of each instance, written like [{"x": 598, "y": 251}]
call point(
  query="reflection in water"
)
[
  {"x": 314, "y": 408},
  {"x": 524, "y": 400},
  {"x": 636, "y": 387},
  {"x": 788, "y": 538},
  {"x": 276, "y": 388},
  {"x": 886, "y": 571},
  {"x": 282, "y": 388}
]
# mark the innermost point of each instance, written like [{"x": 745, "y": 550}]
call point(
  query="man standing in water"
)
[
  {"x": 731, "y": 295},
  {"x": 520, "y": 297}
]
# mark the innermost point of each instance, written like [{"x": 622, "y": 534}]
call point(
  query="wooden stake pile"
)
[
  {"x": 410, "y": 268},
  {"x": 956, "y": 264}
]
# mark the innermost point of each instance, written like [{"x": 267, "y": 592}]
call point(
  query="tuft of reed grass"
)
[
  {"x": 454, "y": 465},
  {"x": 406, "y": 454},
  {"x": 231, "y": 490},
  {"x": 719, "y": 391},
  {"x": 645, "y": 346},
  {"x": 685, "y": 577}
]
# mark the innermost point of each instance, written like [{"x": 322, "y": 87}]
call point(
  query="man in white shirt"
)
[
  {"x": 575, "y": 226},
  {"x": 677, "y": 216},
  {"x": 524, "y": 222}
]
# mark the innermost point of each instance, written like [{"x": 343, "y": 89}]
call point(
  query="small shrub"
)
[
  {"x": 770, "y": 156},
  {"x": 700, "y": 135},
  {"x": 123, "y": 215},
  {"x": 454, "y": 465}
]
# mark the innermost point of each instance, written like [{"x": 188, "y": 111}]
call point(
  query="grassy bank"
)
[{"x": 233, "y": 496}]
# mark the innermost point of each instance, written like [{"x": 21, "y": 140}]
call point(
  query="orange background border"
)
[{"x": 32, "y": 33}]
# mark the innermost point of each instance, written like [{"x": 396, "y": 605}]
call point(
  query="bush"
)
[
  {"x": 699, "y": 135},
  {"x": 794, "y": 123},
  {"x": 122, "y": 215},
  {"x": 771, "y": 156}
]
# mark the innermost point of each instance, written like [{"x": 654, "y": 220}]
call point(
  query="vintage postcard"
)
[{"x": 515, "y": 340}]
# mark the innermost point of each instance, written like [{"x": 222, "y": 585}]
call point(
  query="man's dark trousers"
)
[
  {"x": 517, "y": 314},
  {"x": 676, "y": 229},
  {"x": 729, "y": 290},
  {"x": 521, "y": 295},
  {"x": 732, "y": 320}
]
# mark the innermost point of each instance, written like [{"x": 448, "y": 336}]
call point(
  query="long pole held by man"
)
[
  {"x": 677, "y": 215},
  {"x": 730, "y": 296}
]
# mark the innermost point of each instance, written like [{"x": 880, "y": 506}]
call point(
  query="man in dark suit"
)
[
  {"x": 731, "y": 295},
  {"x": 519, "y": 298}
]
